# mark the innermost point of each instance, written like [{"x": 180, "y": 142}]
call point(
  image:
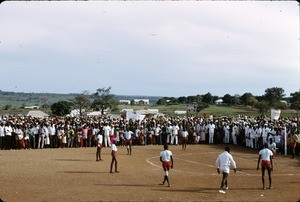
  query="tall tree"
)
[
  {"x": 182, "y": 100},
  {"x": 103, "y": 99},
  {"x": 262, "y": 106},
  {"x": 245, "y": 98},
  {"x": 295, "y": 102},
  {"x": 81, "y": 100},
  {"x": 207, "y": 98},
  {"x": 274, "y": 96},
  {"x": 201, "y": 106},
  {"x": 61, "y": 108}
]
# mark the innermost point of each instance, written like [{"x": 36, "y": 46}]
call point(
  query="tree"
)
[
  {"x": 228, "y": 99},
  {"x": 207, "y": 98},
  {"x": 262, "y": 106},
  {"x": 61, "y": 108},
  {"x": 245, "y": 98},
  {"x": 273, "y": 96},
  {"x": 162, "y": 101},
  {"x": 295, "y": 102},
  {"x": 191, "y": 99},
  {"x": 81, "y": 100},
  {"x": 103, "y": 99},
  {"x": 201, "y": 106},
  {"x": 182, "y": 100},
  {"x": 251, "y": 101}
]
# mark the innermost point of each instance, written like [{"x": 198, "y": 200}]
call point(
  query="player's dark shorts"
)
[
  {"x": 166, "y": 165},
  {"x": 114, "y": 154},
  {"x": 293, "y": 145},
  {"x": 266, "y": 164}
]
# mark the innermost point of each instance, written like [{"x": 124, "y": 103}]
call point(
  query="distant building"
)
[
  {"x": 219, "y": 101},
  {"x": 141, "y": 101},
  {"x": 32, "y": 107},
  {"x": 125, "y": 102},
  {"x": 180, "y": 112}
]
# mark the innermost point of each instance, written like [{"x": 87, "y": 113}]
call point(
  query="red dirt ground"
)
[{"x": 74, "y": 175}]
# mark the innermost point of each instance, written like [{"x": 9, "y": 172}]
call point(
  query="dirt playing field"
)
[{"x": 74, "y": 175}]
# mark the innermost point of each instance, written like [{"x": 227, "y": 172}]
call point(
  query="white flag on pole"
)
[{"x": 275, "y": 114}]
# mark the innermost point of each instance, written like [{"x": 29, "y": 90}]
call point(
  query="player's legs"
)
[
  {"x": 270, "y": 177},
  {"x": 98, "y": 154},
  {"x": 166, "y": 176},
  {"x": 263, "y": 168},
  {"x": 114, "y": 160},
  {"x": 224, "y": 180}
]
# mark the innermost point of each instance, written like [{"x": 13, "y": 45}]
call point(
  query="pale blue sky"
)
[{"x": 158, "y": 48}]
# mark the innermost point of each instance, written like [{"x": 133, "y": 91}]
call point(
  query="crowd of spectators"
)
[{"x": 21, "y": 132}]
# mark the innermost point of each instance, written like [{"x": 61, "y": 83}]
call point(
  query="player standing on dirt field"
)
[
  {"x": 114, "y": 152},
  {"x": 223, "y": 163},
  {"x": 265, "y": 155},
  {"x": 167, "y": 162}
]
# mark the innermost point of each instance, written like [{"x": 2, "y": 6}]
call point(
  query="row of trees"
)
[
  {"x": 103, "y": 99},
  {"x": 273, "y": 98}
]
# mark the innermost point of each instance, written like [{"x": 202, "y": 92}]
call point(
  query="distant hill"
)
[{"x": 20, "y": 99}]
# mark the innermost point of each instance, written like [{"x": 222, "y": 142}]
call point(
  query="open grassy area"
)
[{"x": 215, "y": 110}]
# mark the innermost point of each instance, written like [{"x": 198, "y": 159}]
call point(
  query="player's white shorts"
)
[{"x": 225, "y": 169}]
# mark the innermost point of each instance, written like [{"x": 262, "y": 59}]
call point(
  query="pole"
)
[{"x": 285, "y": 141}]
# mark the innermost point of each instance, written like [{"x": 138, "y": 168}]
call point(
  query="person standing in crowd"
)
[
  {"x": 223, "y": 163},
  {"x": 257, "y": 137},
  {"x": 265, "y": 132},
  {"x": 52, "y": 135},
  {"x": 272, "y": 146},
  {"x": 106, "y": 131},
  {"x": 174, "y": 138},
  {"x": 226, "y": 130},
  {"x": 184, "y": 136},
  {"x": 128, "y": 140},
  {"x": 2, "y": 136},
  {"x": 211, "y": 132},
  {"x": 8, "y": 136},
  {"x": 293, "y": 143},
  {"x": 234, "y": 133},
  {"x": 166, "y": 157},
  {"x": 99, "y": 139},
  {"x": 20, "y": 137},
  {"x": 169, "y": 129},
  {"x": 266, "y": 158},
  {"x": 114, "y": 153},
  {"x": 85, "y": 131},
  {"x": 158, "y": 134}
]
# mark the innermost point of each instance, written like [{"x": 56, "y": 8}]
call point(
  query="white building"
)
[
  {"x": 219, "y": 101},
  {"x": 141, "y": 101},
  {"x": 125, "y": 102}
]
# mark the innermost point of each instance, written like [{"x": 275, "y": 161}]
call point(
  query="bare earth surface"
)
[{"x": 74, "y": 175}]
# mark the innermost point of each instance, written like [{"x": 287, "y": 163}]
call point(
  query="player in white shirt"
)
[
  {"x": 266, "y": 157},
  {"x": 184, "y": 136},
  {"x": 166, "y": 159},
  {"x": 223, "y": 163},
  {"x": 114, "y": 152},
  {"x": 99, "y": 139},
  {"x": 128, "y": 140}
]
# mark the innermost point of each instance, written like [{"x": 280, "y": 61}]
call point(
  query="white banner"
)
[{"x": 275, "y": 114}]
